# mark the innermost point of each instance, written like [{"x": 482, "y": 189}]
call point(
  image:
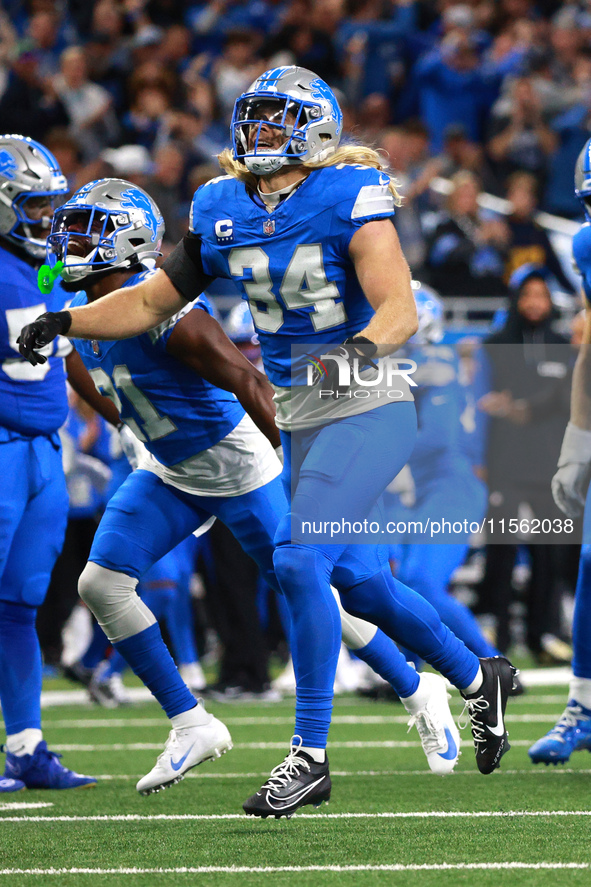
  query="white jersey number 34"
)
[{"x": 304, "y": 285}]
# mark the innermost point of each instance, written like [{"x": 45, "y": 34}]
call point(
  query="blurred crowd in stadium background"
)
[{"x": 482, "y": 107}]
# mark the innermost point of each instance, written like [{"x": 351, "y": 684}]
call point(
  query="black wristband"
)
[
  {"x": 361, "y": 340},
  {"x": 64, "y": 319}
]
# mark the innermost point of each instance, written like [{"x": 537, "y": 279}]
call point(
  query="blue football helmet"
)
[
  {"x": 106, "y": 224},
  {"x": 28, "y": 171},
  {"x": 295, "y": 102},
  {"x": 583, "y": 178},
  {"x": 431, "y": 315}
]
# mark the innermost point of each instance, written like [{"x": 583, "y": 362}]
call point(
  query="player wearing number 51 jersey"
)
[{"x": 34, "y": 501}]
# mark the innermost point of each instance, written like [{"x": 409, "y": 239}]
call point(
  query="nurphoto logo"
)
[{"x": 350, "y": 378}]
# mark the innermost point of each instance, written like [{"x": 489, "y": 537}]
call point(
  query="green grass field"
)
[{"x": 386, "y": 808}]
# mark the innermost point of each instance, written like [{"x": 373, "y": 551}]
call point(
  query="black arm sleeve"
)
[{"x": 185, "y": 268}]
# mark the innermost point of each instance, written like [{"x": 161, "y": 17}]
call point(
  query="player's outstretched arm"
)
[
  {"x": 570, "y": 482},
  {"x": 120, "y": 315},
  {"x": 199, "y": 341},
  {"x": 384, "y": 276}
]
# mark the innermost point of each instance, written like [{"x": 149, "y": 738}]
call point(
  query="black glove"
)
[
  {"x": 41, "y": 332},
  {"x": 356, "y": 347}
]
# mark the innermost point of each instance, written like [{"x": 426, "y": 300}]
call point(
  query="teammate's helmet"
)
[
  {"x": 430, "y": 311},
  {"x": 291, "y": 100},
  {"x": 239, "y": 327},
  {"x": 106, "y": 224},
  {"x": 583, "y": 178},
  {"x": 27, "y": 171}
]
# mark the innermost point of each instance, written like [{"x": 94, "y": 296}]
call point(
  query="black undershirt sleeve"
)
[{"x": 185, "y": 268}]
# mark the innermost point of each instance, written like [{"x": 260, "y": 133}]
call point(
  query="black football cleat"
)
[
  {"x": 297, "y": 781},
  {"x": 486, "y": 712}
]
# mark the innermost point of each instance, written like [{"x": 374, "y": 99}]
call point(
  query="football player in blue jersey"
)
[
  {"x": 34, "y": 503},
  {"x": 304, "y": 228},
  {"x": 446, "y": 486},
  {"x": 572, "y": 494},
  {"x": 191, "y": 466}
]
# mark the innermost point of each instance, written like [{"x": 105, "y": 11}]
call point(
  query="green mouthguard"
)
[{"x": 46, "y": 276}]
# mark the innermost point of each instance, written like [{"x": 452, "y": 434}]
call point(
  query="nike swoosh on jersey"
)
[
  {"x": 452, "y": 748},
  {"x": 176, "y": 765},
  {"x": 499, "y": 727},
  {"x": 285, "y": 802}
]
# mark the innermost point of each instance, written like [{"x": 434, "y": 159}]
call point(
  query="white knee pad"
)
[
  {"x": 113, "y": 599},
  {"x": 356, "y": 632}
]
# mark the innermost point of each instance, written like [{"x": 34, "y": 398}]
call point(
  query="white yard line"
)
[
  {"x": 543, "y": 771},
  {"x": 263, "y": 721},
  {"x": 531, "y": 677},
  {"x": 268, "y": 869},
  {"x": 261, "y": 746},
  {"x": 318, "y": 817},
  {"x": 23, "y": 805}
]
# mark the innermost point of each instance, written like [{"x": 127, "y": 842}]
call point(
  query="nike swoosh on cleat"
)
[
  {"x": 295, "y": 798},
  {"x": 452, "y": 749},
  {"x": 176, "y": 765},
  {"x": 499, "y": 727}
]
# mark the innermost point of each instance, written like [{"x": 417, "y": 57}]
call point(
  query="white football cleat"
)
[
  {"x": 439, "y": 734},
  {"x": 185, "y": 748}
]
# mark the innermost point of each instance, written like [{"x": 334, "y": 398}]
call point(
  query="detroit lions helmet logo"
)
[
  {"x": 8, "y": 165},
  {"x": 133, "y": 198},
  {"x": 321, "y": 90}
]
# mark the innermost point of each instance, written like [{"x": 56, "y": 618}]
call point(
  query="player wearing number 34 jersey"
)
[{"x": 304, "y": 228}]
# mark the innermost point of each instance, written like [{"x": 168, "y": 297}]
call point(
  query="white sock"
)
[
  {"x": 580, "y": 691},
  {"x": 417, "y": 701},
  {"x": 194, "y": 717},
  {"x": 25, "y": 742},
  {"x": 318, "y": 755},
  {"x": 475, "y": 685}
]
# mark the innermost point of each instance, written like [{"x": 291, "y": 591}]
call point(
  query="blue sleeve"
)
[
  {"x": 582, "y": 256},
  {"x": 205, "y": 207},
  {"x": 362, "y": 196},
  {"x": 78, "y": 300}
]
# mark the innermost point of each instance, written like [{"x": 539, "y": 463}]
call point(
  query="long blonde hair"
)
[{"x": 349, "y": 154}]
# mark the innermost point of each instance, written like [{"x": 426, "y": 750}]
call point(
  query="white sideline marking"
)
[
  {"x": 318, "y": 817},
  {"x": 544, "y": 771},
  {"x": 268, "y": 869},
  {"x": 24, "y": 805},
  {"x": 258, "y": 746},
  {"x": 74, "y": 724}
]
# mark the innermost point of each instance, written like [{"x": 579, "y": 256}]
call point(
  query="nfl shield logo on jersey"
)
[{"x": 269, "y": 226}]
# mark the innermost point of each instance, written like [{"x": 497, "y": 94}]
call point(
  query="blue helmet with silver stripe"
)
[
  {"x": 105, "y": 225},
  {"x": 288, "y": 116},
  {"x": 30, "y": 179}
]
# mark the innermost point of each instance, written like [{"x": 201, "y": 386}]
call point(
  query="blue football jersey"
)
[
  {"x": 167, "y": 405},
  {"x": 582, "y": 256},
  {"x": 32, "y": 398},
  {"x": 441, "y": 401},
  {"x": 293, "y": 264}
]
